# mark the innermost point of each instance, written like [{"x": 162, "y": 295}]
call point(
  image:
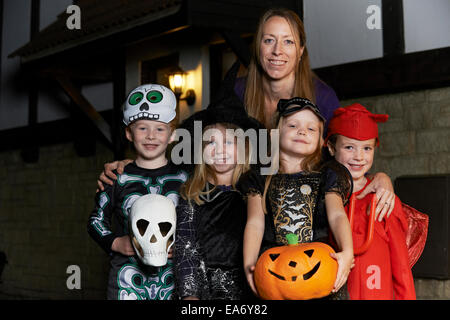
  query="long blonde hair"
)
[
  {"x": 195, "y": 186},
  {"x": 303, "y": 86},
  {"x": 310, "y": 163}
]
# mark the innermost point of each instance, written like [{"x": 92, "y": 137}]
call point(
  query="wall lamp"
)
[{"x": 177, "y": 82}]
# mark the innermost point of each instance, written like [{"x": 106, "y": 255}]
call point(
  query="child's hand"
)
[
  {"x": 249, "y": 272},
  {"x": 123, "y": 245},
  {"x": 170, "y": 253},
  {"x": 345, "y": 262}
]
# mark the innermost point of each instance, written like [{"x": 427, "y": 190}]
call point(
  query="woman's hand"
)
[
  {"x": 382, "y": 186},
  {"x": 107, "y": 176},
  {"x": 345, "y": 262}
]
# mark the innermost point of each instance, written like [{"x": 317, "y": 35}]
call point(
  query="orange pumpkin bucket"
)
[{"x": 296, "y": 271}]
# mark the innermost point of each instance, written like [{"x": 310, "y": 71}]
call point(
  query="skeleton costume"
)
[{"x": 129, "y": 277}]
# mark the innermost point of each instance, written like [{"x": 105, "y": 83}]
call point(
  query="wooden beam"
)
[
  {"x": 18, "y": 138},
  {"x": 1, "y": 42},
  {"x": 392, "y": 74},
  {"x": 119, "y": 96},
  {"x": 30, "y": 153},
  {"x": 393, "y": 29},
  {"x": 300, "y": 9},
  {"x": 75, "y": 94},
  {"x": 238, "y": 45}
]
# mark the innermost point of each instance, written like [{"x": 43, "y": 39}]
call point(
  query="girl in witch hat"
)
[{"x": 211, "y": 214}]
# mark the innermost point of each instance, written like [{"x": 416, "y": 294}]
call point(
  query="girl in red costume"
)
[{"x": 383, "y": 271}]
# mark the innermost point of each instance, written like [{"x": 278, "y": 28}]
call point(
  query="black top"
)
[
  {"x": 295, "y": 203},
  {"x": 114, "y": 203},
  {"x": 209, "y": 236}
]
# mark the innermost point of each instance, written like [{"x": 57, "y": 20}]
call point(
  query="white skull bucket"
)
[{"x": 152, "y": 223}]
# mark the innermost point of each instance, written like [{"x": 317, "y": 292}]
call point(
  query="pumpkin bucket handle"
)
[
  {"x": 292, "y": 239},
  {"x": 370, "y": 225}
]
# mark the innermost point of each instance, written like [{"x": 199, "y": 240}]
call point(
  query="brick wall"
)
[
  {"x": 415, "y": 140},
  {"x": 43, "y": 214},
  {"x": 44, "y": 206}
]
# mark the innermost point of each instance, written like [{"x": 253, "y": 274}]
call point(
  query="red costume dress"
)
[{"x": 383, "y": 271}]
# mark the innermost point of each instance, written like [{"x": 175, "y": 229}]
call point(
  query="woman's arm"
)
[
  {"x": 107, "y": 176},
  {"x": 382, "y": 186},
  {"x": 253, "y": 234},
  {"x": 340, "y": 227}
]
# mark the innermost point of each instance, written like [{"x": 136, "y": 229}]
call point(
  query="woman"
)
[
  {"x": 280, "y": 66},
  {"x": 279, "y": 69}
]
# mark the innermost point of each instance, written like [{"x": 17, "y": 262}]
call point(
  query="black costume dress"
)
[
  {"x": 208, "y": 247},
  {"x": 295, "y": 203}
]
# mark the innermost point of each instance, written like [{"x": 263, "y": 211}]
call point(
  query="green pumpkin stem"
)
[{"x": 292, "y": 239}]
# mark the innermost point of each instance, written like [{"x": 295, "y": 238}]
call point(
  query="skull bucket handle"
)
[{"x": 370, "y": 226}]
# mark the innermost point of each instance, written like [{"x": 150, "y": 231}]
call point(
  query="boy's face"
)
[
  {"x": 355, "y": 155},
  {"x": 150, "y": 138}
]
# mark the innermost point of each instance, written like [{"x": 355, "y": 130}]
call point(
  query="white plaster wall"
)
[
  {"x": 427, "y": 24},
  {"x": 337, "y": 32},
  {"x": 13, "y": 94}
]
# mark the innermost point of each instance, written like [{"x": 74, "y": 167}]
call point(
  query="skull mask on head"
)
[
  {"x": 150, "y": 102},
  {"x": 152, "y": 223}
]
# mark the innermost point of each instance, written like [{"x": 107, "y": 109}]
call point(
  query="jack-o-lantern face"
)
[{"x": 296, "y": 272}]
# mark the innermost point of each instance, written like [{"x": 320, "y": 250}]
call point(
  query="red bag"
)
[{"x": 416, "y": 235}]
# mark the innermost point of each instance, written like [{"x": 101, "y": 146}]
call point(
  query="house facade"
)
[{"x": 65, "y": 74}]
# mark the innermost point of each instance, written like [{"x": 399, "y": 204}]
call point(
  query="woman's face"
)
[{"x": 278, "y": 49}]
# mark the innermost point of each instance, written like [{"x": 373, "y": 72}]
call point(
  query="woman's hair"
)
[
  {"x": 303, "y": 86},
  {"x": 195, "y": 186},
  {"x": 310, "y": 163}
]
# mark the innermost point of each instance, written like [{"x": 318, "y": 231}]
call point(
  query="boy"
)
[
  {"x": 382, "y": 272},
  {"x": 150, "y": 118}
]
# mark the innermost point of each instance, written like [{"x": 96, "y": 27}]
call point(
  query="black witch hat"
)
[{"x": 226, "y": 108}]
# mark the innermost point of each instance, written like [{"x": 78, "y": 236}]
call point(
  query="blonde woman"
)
[{"x": 280, "y": 69}]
